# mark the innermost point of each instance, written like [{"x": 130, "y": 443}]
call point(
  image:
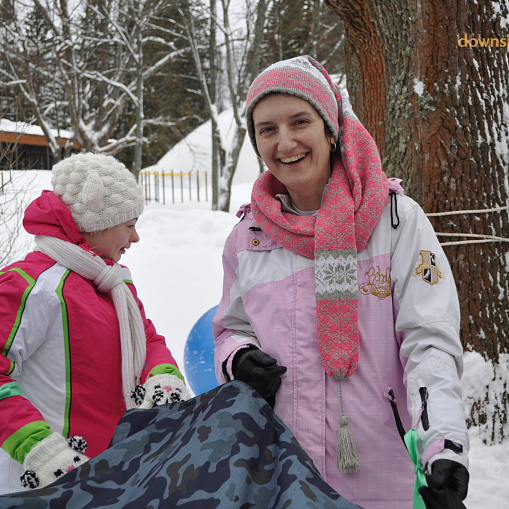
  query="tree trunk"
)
[
  {"x": 229, "y": 165},
  {"x": 216, "y": 137},
  {"x": 436, "y": 111},
  {"x": 257, "y": 47},
  {"x": 138, "y": 148},
  {"x": 258, "y": 39},
  {"x": 228, "y": 169}
]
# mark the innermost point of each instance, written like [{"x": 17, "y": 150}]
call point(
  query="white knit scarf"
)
[{"x": 107, "y": 278}]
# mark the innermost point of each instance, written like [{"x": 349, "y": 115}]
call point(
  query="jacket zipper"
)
[
  {"x": 423, "y": 391},
  {"x": 397, "y": 418}
]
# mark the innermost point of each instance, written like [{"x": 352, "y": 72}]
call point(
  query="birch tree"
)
[
  {"x": 51, "y": 68},
  {"x": 438, "y": 110}
]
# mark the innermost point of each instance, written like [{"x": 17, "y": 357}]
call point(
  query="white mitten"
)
[
  {"x": 51, "y": 458},
  {"x": 160, "y": 390}
]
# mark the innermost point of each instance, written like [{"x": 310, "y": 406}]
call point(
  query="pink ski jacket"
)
[
  {"x": 60, "y": 362},
  {"x": 410, "y": 350}
]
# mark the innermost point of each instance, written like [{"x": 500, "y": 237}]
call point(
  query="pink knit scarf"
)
[{"x": 352, "y": 207}]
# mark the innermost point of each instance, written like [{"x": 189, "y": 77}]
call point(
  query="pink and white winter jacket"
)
[
  {"x": 60, "y": 368},
  {"x": 409, "y": 346}
]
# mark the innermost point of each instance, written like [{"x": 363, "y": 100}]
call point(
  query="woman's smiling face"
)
[{"x": 291, "y": 139}]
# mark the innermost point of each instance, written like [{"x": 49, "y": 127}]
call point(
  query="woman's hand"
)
[
  {"x": 447, "y": 485},
  {"x": 260, "y": 371}
]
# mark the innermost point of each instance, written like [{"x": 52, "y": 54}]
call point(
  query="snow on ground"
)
[
  {"x": 177, "y": 270},
  {"x": 489, "y": 467}
]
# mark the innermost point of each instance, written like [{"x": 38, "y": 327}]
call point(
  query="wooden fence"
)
[{"x": 159, "y": 186}]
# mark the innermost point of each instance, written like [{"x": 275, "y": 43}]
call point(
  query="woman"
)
[
  {"x": 77, "y": 349},
  {"x": 339, "y": 276}
]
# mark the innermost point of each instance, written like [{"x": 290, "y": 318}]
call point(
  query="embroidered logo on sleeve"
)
[
  {"x": 427, "y": 268},
  {"x": 378, "y": 284}
]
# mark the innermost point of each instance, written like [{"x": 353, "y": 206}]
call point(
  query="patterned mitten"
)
[
  {"x": 51, "y": 458},
  {"x": 160, "y": 390}
]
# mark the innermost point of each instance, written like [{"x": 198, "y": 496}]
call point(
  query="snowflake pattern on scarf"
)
[{"x": 336, "y": 274}]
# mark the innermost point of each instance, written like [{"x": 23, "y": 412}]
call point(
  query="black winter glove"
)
[
  {"x": 447, "y": 485},
  {"x": 260, "y": 371}
]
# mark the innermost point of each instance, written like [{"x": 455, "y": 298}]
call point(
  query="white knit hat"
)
[{"x": 99, "y": 191}]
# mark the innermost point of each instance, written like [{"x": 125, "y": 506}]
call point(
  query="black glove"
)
[
  {"x": 447, "y": 485},
  {"x": 260, "y": 371}
]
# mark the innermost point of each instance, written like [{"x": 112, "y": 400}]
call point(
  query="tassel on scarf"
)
[{"x": 347, "y": 454}]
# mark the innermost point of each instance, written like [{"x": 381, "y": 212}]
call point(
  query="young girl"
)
[{"x": 77, "y": 348}]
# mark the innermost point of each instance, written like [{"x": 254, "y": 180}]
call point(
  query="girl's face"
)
[
  {"x": 114, "y": 241},
  {"x": 291, "y": 139}
]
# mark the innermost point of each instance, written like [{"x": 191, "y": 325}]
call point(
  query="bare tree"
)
[
  {"x": 134, "y": 25},
  {"x": 437, "y": 109},
  {"x": 92, "y": 67},
  {"x": 264, "y": 39},
  {"x": 14, "y": 186},
  {"x": 217, "y": 151},
  {"x": 28, "y": 65},
  {"x": 238, "y": 76},
  {"x": 13, "y": 202}
]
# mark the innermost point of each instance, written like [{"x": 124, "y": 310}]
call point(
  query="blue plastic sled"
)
[{"x": 199, "y": 355}]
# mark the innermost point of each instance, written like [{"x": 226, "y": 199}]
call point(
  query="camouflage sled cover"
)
[{"x": 225, "y": 448}]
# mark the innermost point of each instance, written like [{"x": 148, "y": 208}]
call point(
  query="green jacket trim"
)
[
  {"x": 166, "y": 368},
  {"x": 21, "y": 442},
  {"x": 67, "y": 352},
  {"x": 10, "y": 389},
  {"x": 31, "y": 283}
]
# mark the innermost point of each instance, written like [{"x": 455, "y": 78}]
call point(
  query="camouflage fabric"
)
[{"x": 225, "y": 448}]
